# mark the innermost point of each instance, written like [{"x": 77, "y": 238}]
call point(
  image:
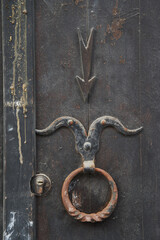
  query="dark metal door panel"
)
[
  {"x": 125, "y": 64},
  {"x": 115, "y": 63},
  {"x": 124, "y": 59}
]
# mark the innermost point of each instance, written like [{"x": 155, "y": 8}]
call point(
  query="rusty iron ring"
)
[{"x": 89, "y": 217}]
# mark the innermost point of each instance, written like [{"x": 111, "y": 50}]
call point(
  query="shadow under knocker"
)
[{"x": 88, "y": 145}]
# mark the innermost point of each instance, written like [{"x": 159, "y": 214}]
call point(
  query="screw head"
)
[
  {"x": 87, "y": 146},
  {"x": 70, "y": 122},
  {"x": 103, "y": 122}
]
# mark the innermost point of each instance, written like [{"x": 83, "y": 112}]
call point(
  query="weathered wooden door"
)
[{"x": 85, "y": 66}]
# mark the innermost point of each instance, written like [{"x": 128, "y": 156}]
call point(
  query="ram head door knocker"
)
[{"x": 88, "y": 145}]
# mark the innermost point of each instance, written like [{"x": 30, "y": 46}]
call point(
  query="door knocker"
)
[{"x": 88, "y": 145}]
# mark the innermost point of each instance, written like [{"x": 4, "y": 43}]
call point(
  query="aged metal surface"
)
[
  {"x": 92, "y": 217},
  {"x": 126, "y": 63},
  {"x": 19, "y": 119},
  {"x": 40, "y": 184},
  {"x": 86, "y": 82},
  {"x": 87, "y": 144}
]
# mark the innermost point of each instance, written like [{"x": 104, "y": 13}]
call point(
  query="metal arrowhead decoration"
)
[{"x": 85, "y": 82}]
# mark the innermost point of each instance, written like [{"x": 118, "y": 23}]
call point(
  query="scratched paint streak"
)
[
  {"x": 13, "y": 92},
  {"x": 16, "y": 20},
  {"x": 19, "y": 136},
  {"x": 14, "y": 220},
  {"x": 10, "y": 228},
  {"x": 25, "y": 95},
  {"x": 19, "y": 23},
  {"x": 13, "y": 14},
  {"x": 24, "y": 105},
  {"x": 20, "y": 78}
]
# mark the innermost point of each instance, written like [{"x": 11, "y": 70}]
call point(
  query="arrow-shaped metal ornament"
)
[{"x": 85, "y": 83}]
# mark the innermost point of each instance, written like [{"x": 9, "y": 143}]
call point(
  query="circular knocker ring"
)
[
  {"x": 87, "y": 145},
  {"x": 89, "y": 217}
]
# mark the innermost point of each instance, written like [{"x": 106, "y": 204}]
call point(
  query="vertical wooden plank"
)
[
  {"x": 150, "y": 112},
  {"x": 1, "y": 131},
  {"x": 116, "y": 93},
  {"x": 57, "y": 64},
  {"x": 19, "y": 118}
]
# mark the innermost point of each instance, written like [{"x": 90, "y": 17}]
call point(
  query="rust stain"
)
[
  {"x": 103, "y": 122},
  {"x": 115, "y": 29},
  {"x": 126, "y": 129},
  {"x": 86, "y": 217},
  {"x": 77, "y": 106},
  {"x": 115, "y": 9},
  {"x": 78, "y": 1},
  {"x": 121, "y": 60},
  {"x": 70, "y": 122},
  {"x": 99, "y": 26}
]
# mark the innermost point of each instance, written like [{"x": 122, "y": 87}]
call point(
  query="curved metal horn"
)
[
  {"x": 106, "y": 121},
  {"x": 72, "y": 123}
]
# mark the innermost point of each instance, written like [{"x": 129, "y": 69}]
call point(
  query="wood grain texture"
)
[
  {"x": 126, "y": 64},
  {"x": 150, "y": 114}
]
